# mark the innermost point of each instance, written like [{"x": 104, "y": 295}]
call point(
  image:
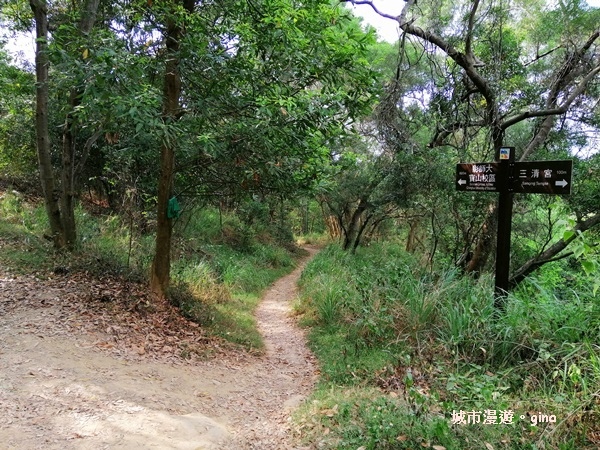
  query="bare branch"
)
[
  {"x": 553, "y": 252},
  {"x": 469, "y": 64},
  {"x": 562, "y": 77},
  {"x": 370, "y": 3},
  {"x": 86, "y": 150},
  {"x": 538, "y": 57},
  {"x": 402, "y": 18},
  {"x": 551, "y": 114},
  {"x": 449, "y": 129},
  {"x": 469, "y": 39}
]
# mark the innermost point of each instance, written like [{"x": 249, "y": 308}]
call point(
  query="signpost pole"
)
[
  {"x": 505, "y": 207},
  {"x": 507, "y": 177}
]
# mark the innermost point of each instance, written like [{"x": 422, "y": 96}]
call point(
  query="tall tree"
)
[
  {"x": 497, "y": 84},
  {"x": 171, "y": 110},
  {"x": 49, "y": 188},
  {"x": 59, "y": 197},
  {"x": 264, "y": 88},
  {"x": 87, "y": 19}
]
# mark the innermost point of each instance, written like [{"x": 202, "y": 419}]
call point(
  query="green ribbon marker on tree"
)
[{"x": 173, "y": 208}]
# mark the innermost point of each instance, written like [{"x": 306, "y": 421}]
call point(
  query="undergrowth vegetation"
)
[
  {"x": 414, "y": 359},
  {"x": 220, "y": 265}
]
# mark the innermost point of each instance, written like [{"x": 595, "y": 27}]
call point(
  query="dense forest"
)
[{"x": 191, "y": 146}]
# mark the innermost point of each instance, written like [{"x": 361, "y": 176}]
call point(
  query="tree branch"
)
[
  {"x": 551, "y": 114},
  {"x": 466, "y": 61},
  {"x": 538, "y": 56},
  {"x": 552, "y": 253},
  {"x": 86, "y": 150},
  {"x": 440, "y": 135},
  {"x": 370, "y": 3},
  {"x": 469, "y": 38}
]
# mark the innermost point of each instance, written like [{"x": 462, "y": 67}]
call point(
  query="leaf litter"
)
[{"x": 96, "y": 363}]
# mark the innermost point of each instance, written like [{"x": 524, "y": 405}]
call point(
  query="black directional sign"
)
[
  {"x": 543, "y": 177},
  {"x": 482, "y": 177},
  {"x": 507, "y": 177}
]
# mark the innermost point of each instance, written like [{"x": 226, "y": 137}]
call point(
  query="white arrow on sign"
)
[
  {"x": 561, "y": 183},
  {"x": 461, "y": 182}
]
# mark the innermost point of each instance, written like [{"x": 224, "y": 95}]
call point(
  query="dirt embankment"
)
[{"x": 76, "y": 373}]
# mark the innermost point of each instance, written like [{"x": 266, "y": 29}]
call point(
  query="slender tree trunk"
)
[
  {"x": 68, "y": 177},
  {"x": 360, "y": 232},
  {"x": 68, "y": 174},
  {"x": 59, "y": 202},
  {"x": 305, "y": 217},
  {"x": 161, "y": 264},
  {"x": 51, "y": 193},
  {"x": 485, "y": 243},
  {"x": 411, "y": 240}
]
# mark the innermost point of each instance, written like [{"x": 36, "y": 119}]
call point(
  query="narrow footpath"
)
[
  {"x": 279, "y": 381},
  {"x": 67, "y": 383}
]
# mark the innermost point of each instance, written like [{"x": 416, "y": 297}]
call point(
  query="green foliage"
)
[
  {"x": 586, "y": 196},
  {"x": 351, "y": 418},
  {"x": 435, "y": 344},
  {"x": 272, "y": 98},
  {"x": 21, "y": 227},
  {"x": 221, "y": 289},
  {"x": 220, "y": 271},
  {"x": 17, "y": 139},
  {"x": 106, "y": 245},
  {"x": 568, "y": 21}
]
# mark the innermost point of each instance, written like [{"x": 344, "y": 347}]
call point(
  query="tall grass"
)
[
  {"x": 436, "y": 343},
  {"x": 22, "y": 247},
  {"x": 220, "y": 271}
]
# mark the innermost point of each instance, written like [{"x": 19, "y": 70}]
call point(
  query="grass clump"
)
[
  {"x": 222, "y": 289},
  {"x": 22, "y": 247},
  {"x": 413, "y": 349},
  {"x": 221, "y": 271},
  {"x": 353, "y": 417},
  {"x": 107, "y": 244}
]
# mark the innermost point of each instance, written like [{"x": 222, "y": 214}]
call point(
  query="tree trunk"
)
[
  {"x": 86, "y": 23},
  {"x": 59, "y": 203},
  {"x": 305, "y": 217},
  {"x": 411, "y": 240},
  {"x": 161, "y": 264},
  {"x": 350, "y": 232},
  {"x": 49, "y": 189},
  {"x": 68, "y": 176},
  {"x": 360, "y": 232},
  {"x": 485, "y": 243}
]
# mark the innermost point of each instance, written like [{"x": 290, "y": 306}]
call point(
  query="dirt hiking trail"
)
[{"x": 69, "y": 381}]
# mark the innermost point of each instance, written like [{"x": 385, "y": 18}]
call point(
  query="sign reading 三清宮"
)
[{"x": 543, "y": 177}]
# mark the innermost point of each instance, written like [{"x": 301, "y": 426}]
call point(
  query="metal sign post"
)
[
  {"x": 507, "y": 177},
  {"x": 505, "y": 207}
]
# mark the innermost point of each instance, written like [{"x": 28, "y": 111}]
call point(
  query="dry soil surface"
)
[{"x": 66, "y": 382}]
